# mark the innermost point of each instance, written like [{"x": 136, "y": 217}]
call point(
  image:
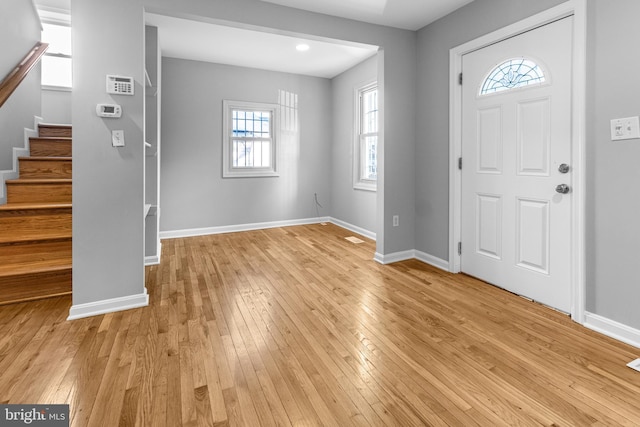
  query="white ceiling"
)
[
  {"x": 180, "y": 38},
  {"x": 407, "y": 14},
  {"x": 200, "y": 41}
]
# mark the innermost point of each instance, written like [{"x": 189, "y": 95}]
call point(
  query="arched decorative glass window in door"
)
[{"x": 511, "y": 74}]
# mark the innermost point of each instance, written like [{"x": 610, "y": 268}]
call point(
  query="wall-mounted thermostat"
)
[
  {"x": 109, "y": 110},
  {"x": 119, "y": 85}
]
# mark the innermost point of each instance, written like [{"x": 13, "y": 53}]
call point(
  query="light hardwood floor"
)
[{"x": 297, "y": 326}]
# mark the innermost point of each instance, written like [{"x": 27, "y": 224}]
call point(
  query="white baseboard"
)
[
  {"x": 192, "y": 232},
  {"x": 613, "y": 329},
  {"x": 432, "y": 260},
  {"x": 151, "y": 260},
  {"x": 366, "y": 233},
  {"x": 412, "y": 254},
  {"x": 154, "y": 259},
  {"x": 79, "y": 311},
  {"x": 394, "y": 257}
]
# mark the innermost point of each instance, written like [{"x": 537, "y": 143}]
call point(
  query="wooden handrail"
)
[{"x": 13, "y": 79}]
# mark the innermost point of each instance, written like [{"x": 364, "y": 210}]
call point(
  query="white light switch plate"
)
[
  {"x": 627, "y": 128},
  {"x": 117, "y": 138},
  {"x": 634, "y": 365}
]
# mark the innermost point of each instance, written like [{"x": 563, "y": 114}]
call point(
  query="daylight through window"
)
[
  {"x": 56, "y": 62},
  {"x": 250, "y": 147},
  {"x": 512, "y": 74},
  {"x": 251, "y": 139},
  {"x": 366, "y": 145}
]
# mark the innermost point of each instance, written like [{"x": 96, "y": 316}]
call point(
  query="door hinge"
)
[
  {"x": 459, "y": 248},
  {"x": 460, "y": 78},
  {"x": 460, "y": 163}
]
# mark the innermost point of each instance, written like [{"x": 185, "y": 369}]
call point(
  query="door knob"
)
[
  {"x": 563, "y": 189},
  {"x": 563, "y": 168}
]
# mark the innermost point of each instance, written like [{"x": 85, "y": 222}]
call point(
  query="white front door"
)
[{"x": 516, "y": 141}]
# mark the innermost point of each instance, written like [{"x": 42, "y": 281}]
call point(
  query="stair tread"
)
[
  {"x": 45, "y": 158},
  {"x": 9, "y": 237},
  {"x": 34, "y": 206},
  {"x": 37, "y": 266},
  {"x": 52, "y": 138},
  {"x": 54, "y": 125},
  {"x": 39, "y": 181}
]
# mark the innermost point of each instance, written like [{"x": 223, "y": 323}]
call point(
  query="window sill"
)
[
  {"x": 56, "y": 88},
  {"x": 366, "y": 186},
  {"x": 247, "y": 174}
]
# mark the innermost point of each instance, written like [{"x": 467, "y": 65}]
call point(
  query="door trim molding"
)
[{"x": 578, "y": 9}]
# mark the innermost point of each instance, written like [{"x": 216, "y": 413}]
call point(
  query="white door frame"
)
[{"x": 577, "y": 8}]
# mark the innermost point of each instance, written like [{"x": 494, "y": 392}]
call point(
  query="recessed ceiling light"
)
[{"x": 302, "y": 47}]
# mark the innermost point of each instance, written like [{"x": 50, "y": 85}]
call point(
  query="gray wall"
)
[
  {"x": 193, "y": 192},
  {"x": 55, "y": 4},
  {"x": 356, "y": 207},
  {"x": 612, "y": 227},
  {"x": 56, "y": 106},
  {"x": 108, "y": 227},
  {"x": 613, "y": 174},
  {"x": 19, "y": 24}
]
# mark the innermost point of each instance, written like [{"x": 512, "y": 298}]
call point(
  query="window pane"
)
[
  {"x": 262, "y": 154},
  {"x": 370, "y": 154},
  {"x": 251, "y": 154},
  {"x": 265, "y": 161},
  {"x": 58, "y": 37},
  {"x": 249, "y": 124},
  {"x": 512, "y": 74},
  {"x": 370, "y": 111},
  {"x": 56, "y": 71}
]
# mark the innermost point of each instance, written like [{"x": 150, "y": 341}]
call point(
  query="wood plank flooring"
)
[{"x": 297, "y": 326}]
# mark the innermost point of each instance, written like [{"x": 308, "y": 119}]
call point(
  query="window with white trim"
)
[
  {"x": 250, "y": 139},
  {"x": 365, "y": 166},
  {"x": 57, "y": 60}
]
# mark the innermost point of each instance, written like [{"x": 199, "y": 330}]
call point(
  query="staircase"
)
[{"x": 35, "y": 224}]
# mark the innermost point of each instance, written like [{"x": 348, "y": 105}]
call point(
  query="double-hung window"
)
[
  {"x": 56, "y": 62},
  {"x": 365, "y": 167},
  {"x": 250, "y": 143}
]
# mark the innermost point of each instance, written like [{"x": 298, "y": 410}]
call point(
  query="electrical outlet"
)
[{"x": 396, "y": 220}]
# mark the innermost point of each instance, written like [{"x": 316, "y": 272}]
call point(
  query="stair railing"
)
[{"x": 15, "y": 77}]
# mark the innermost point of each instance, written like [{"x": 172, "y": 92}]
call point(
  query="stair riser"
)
[
  {"x": 54, "y": 131},
  {"x": 49, "y": 148},
  {"x": 38, "y": 193},
  {"x": 32, "y": 222},
  {"x": 45, "y": 169},
  {"x": 26, "y": 287},
  {"x": 35, "y": 251}
]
